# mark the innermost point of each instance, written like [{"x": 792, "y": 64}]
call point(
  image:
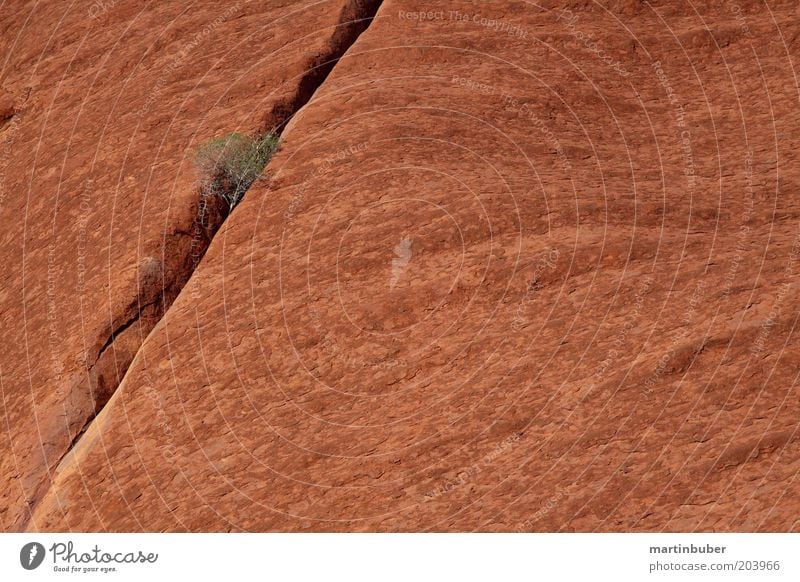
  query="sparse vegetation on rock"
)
[{"x": 228, "y": 166}]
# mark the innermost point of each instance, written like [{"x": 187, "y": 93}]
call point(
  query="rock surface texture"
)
[
  {"x": 516, "y": 267},
  {"x": 101, "y": 108}
]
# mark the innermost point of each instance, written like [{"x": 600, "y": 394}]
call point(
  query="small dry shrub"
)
[{"x": 228, "y": 166}]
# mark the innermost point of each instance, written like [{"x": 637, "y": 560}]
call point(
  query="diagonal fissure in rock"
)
[
  {"x": 183, "y": 251},
  {"x": 355, "y": 18}
]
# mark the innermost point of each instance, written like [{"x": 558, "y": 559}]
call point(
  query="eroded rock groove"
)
[{"x": 185, "y": 246}]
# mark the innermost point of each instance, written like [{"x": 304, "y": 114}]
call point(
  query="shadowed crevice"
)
[{"x": 183, "y": 249}]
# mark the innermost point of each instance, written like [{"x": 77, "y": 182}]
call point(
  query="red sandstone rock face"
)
[
  {"x": 6, "y": 106},
  {"x": 516, "y": 269},
  {"x": 102, "y": 106}
]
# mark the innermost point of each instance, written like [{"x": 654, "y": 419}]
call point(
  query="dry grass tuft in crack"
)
[{"x": 228, "y": 166}]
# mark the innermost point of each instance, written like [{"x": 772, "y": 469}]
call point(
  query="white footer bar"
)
[{"x": 400, "y": 557}]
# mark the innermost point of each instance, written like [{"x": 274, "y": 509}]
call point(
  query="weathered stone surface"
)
[
  {"x": 103, "y": 106},
  {"x": 517, "y": 268},
  {"x": 6, "y": 106}
]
